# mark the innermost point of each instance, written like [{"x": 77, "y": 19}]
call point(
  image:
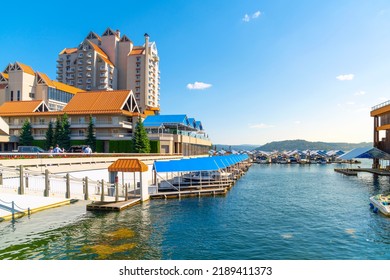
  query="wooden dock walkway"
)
[
  {"x": 112, "y": 205},
  {"x": 190, "y": 193},
  {"x": 354, "y": 171}
]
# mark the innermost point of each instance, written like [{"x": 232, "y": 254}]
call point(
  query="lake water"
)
[{"x": 287, "y": 212}]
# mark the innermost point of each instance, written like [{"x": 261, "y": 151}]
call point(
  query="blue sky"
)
[{"x": 252, "y": 71}]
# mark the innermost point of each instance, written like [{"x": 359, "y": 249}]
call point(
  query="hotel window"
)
[
  {"x": 138, "y": 77},
  {"x": 81, "y": 55},
  {"x": 137, "y": 89},
  {"x": 41, "y": 121},
  {"x": 137, "y": 71},
  {"x": 81, "y": 132},
  {"x": 138, "y": 58},
  {"x": 32, "y": 95},
  {"x": 12, "y": 95},
  {"x": 80, "y": 75},
  {"x": 81, "y": 120},
  {"x": 80, "y": 68}
]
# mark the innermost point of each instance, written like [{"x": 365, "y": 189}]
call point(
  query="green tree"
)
[
  {"x": 141, "y": 143},
  {"x": 49, "y": 136},
  {"x": 26, "y": 138},
  {"x": 57, "y": 132},
  {"x": 65, "y": 136},
  {"x": 91, "y": 138}
]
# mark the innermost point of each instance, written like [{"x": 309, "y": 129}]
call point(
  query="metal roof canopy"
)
[
  {"x": 198, "y": 164},
  {"x": 366, "y": 152},
  {"x": 128, "y": 165}
]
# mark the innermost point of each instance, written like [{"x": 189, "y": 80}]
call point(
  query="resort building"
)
[
  {"x": 19, "y": 82},
  {"x": 112, "y": 113},
  {"x": 178, "y": 134},
  {"x": 381, "y": 115},
  {"x": 112, "y": 62}
]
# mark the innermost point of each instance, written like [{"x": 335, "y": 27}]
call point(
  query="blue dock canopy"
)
[
  {"x": 365, "y": 152},
  {"x": 198, "y": 164}
]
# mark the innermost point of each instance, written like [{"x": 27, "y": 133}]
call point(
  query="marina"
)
[{"x": 268, "y": 214}]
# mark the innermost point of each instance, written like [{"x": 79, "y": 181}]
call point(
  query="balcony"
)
[
  {"x": 89, "y": 67},
  {"x": 103, "y": 68},
  {"x": 70, "y": 70},
  {"x": 102, "y": 87},
  {"x": 60, "y": 59},
  {"x": 103, "y": 75},
  {"x": 60, "y": 65},
  {"x": 89, "y": 61},
  {"x": 103, "y": 81},
  {"x": 59, "y": 71}
]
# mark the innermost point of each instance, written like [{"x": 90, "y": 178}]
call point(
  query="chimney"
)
[{"x": 118, "y": 33}]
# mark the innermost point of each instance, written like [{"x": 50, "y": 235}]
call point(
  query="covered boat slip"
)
[
  {"x": 380, "y": 158},
  {"x": 201, "y": 174}
]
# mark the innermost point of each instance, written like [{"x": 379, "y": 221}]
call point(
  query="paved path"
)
[{"x": 23, "y": 202}]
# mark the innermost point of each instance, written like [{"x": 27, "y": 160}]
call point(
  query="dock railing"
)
[{"x": 23, "y": 181}]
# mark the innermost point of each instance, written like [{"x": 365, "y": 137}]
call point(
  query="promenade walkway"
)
[{"x": 22, "y": 204}]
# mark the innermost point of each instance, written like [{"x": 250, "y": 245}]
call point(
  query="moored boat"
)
[{"x": 380, "y": 203}]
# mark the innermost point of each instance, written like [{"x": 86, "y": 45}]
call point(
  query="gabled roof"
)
[
  {"x": 199, "y": 125},
  {"x": 125, "y": 39},
  {"x": 192, "y": 122},
  {"x": 25, "y": 68},
  {"x": 16, "y": 108},
  {"x": 68, "y": 51},
  {"x": 102, "y": 102},
  {"x": 128, "y": 165},
  {"x": 42, "y": 77},
  {"x": 93, "y": 35},
  {"x": 100, "y": 52},
  {"x": 365, "y": 152},
  {"x": 171, "y": 121},
  {"x": 110, "y": 32},
  {"x": 5, "y": 75}
]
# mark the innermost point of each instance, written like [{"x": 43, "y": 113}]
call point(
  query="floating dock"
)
[
  {"x": 189, "y": 193},
  {"x": 112, "y": 205},
  {"x": 355, "y": 171}
]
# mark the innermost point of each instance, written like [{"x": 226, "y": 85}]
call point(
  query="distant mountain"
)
[
  {"x": 289, "y": 145},
  {"x": 243, "y": 147}
]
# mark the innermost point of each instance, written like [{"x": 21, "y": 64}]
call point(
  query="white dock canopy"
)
[{"x": 366, "y": 152}]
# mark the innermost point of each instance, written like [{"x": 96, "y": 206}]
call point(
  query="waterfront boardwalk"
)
[
  {"x": 355, "y": 171},
  {"x": 26, "y": 204}
]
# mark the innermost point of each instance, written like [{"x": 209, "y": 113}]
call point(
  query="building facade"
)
[
  {"x": 19, "y": 82},
  {"x": 112, "y": 62},
  {"x": 381, "y": 115}
]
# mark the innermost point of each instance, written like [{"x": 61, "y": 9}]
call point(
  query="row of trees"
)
[{"x": 60, "y": 134}]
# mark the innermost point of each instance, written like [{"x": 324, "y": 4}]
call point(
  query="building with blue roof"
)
[{"x": 178, "y": 134}]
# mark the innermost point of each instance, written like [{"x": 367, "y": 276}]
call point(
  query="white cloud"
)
[
  {"x": 297, "y": 122},
  {"x": 198, "y": 86},
  {"x": 350, "y": 103},
  {"x": 359, "y": 93},
  {"x": 260, "y": 125},
  {"x": 247, "y": 17},
  {"x": 345, "y": 77},
  {"x": 256, "y": 15}
]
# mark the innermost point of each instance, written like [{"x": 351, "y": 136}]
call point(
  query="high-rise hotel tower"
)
[{"x": 112, "y": 62}]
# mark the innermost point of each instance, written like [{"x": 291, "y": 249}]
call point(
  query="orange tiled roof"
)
[
  {"x": 137, "y": 51},
  {"x": 128, "y": 165},
  {"x": 68, "y": 50},
  {"x": 5, "y": 75},
  {"x": 26, "y": 69},
  {"x": 106, "y": 60},
  {"x": 67, "y": 88},
  {"x": 97, "y": 49},
  {"x": 97, "y": 102},
  {"x": 19, "y": 107},
  {"x": 46, "y": 79}
]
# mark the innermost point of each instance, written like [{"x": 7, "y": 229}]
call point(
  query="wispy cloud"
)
[
  {"x": 360, "y": 93},
  {"x": 248, "y": 18},
  {"x": 260, "y": 125},
  {"x": 198, "y": 86},
  {"x": 345, "y": 77}
]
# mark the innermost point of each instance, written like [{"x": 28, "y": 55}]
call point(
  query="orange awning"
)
[{"x": 128, "y": 165}]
